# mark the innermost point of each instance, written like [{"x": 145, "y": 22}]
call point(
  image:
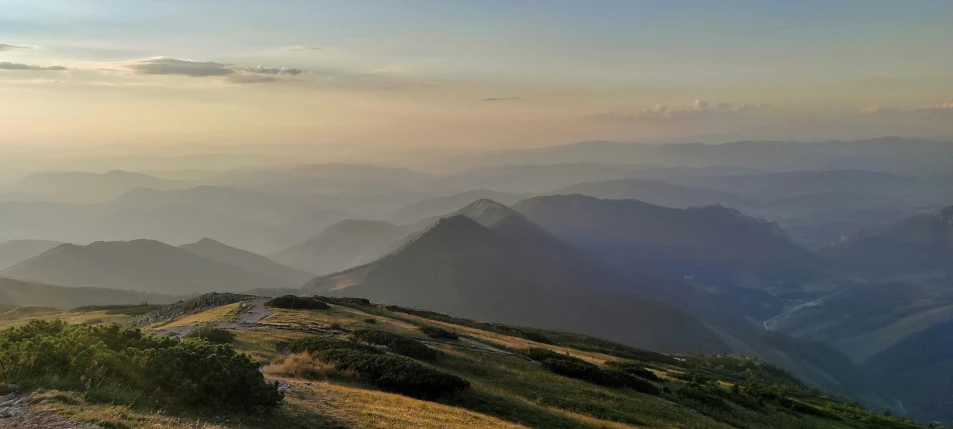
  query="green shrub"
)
[
  {"x": 633, "y": 369},
  {"x": 370, "y": 321},
  {"x": 296, "y": 303},
  {"x": 573, "y": 367},
  {"x": 435, "y": 332},
  {"x": 317, "y": 344},
  {"x": 212, "y": 335},
  {"x": 105, "y": 361},
  {"x": 128, "y": 310},
  {"x": 396, "y": 343},
  {"x": 360, "y": 302},
  {"x": 390, "y": 373}
]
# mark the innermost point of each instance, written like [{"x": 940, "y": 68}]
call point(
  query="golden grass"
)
[
  {"x": 225, "y": 313},
  {"x": 345, "y": 317},
  {"x": 18, "y": 317},
  {"x": 262, "y": 343},
  {"x": 361, "y": 408}
]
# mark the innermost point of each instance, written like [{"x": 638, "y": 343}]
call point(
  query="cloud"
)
[
  {"x": 210, "y": 69},
  {"x": 172, "y": 66},
  {"x": 6, "y": 47},
  {"x": 697, "y": 109},
  {"x": 895, "y": 110},
  {"x": 301, "y": 48},
  {"x": 274, "y": 70},
  {"x": 502, "y": 99},
  {"x": 6, "y": 65}
]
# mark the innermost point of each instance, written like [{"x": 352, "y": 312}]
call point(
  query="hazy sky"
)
[{"x": 476, "y": 73}]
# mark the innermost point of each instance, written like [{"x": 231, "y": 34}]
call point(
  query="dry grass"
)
[
  {"x": 347, "y": 318},
  {"x": 301, "y": 366},
  {"x": 225, "y": 313},
  {"x": 361, "y": 408},
  {"x": 22, "y": 316},
  {"x": 262, "y": 343},
  {"x": 289, "y": 416}
]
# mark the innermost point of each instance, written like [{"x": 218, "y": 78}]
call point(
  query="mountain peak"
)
[{"x": 487, "y": 212}]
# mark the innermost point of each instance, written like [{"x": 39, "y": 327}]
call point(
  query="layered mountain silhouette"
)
[
  {"x": 346, "y": 244},
  {"x": 15, "y": 251},
  {"x": 918, "y": 249},
  {"x": 81, "y": 187},
  {"x": 141, "y": 265},
  {"x": 441, "y": 205},
  {"x": 493, "y": 264},
  {"x": 651, "y": 191},
  {"x": 713, "y": 242},
  {"x": 253, "y": 262},
  {"x": 17, "y": 293}
]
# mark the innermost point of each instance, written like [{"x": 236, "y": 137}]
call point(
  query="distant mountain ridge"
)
[
  {"x": 919, "y": 247},
  {"x": 254, "y": 262},
  {"x": 698, "y": 241},
  {"x": 141, "y": 265},
  {"x": 501, "y": 273},
  {"x": 342, "y": 245},
  {"x": 15, "y": 251},
  {"x": 651, "y": 191},
  {"x": 17, "y": 293}
]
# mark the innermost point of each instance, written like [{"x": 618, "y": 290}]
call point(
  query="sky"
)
[{"x": 389, "y": 75}]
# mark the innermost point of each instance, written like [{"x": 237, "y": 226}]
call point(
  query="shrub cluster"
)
[
  {"x": 573, "y": 367},
  {"x": 391, "y": 373},
  {"x": 492, "y": 327},
  {"x": 435, "y": 332},
  {"x": 360, "y": 302},
  {"x": 396, "y": 343},
  {"x": 212, "y": 335},
  {"x": 128, "y": 310},
  {"x": 96, "y": 359},
  {"x": 632, "y": 368},
  {"x": 297, "y": 303}
]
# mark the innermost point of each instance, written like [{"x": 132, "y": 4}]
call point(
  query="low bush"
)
[
  {"x": 390, "y": 373},
  {"x": 317, "y": 344},
  {"x": 632, "y": 368},
  {"x": 435, "y": 332},
  {"x": 573, "y": 367},
  {"x": 128, "y": 310},
  {"x": 361, "y": 302},
  {"x": 296, "y": 303},
  {"x": 112, "y": 364},
  {"x": 370, "y": 321},
  {"x": 396, "y": 343},
  {"x": 212, "y": 335}
]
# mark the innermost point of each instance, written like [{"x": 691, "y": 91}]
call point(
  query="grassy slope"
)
[{"x": 507, "y": 391}]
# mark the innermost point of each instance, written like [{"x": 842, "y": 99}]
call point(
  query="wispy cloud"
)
[
  {"x": 6, "y": 47},
  {"x": 6, "y": 65},
  {"x": 502, "y": 99},
  {"x": 173, "y": 66},
  {"x": 941, "y": 109},
  {"x": 209, "y": 69},
  {"x": 300, "y": 48},
  {"x": 697, "y": 109},
  {"x": 274, "y": 70}
]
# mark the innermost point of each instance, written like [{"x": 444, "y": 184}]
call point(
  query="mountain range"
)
[
  {"x": 140, "y": 265},
  {"x": 496, "y": 269},
  {"x": 714, "y": 243}
]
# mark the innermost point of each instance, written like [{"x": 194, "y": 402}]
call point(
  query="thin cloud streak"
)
[
  {"x": 6, "y": 65},
  {"x": 6, "y": 47}
]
